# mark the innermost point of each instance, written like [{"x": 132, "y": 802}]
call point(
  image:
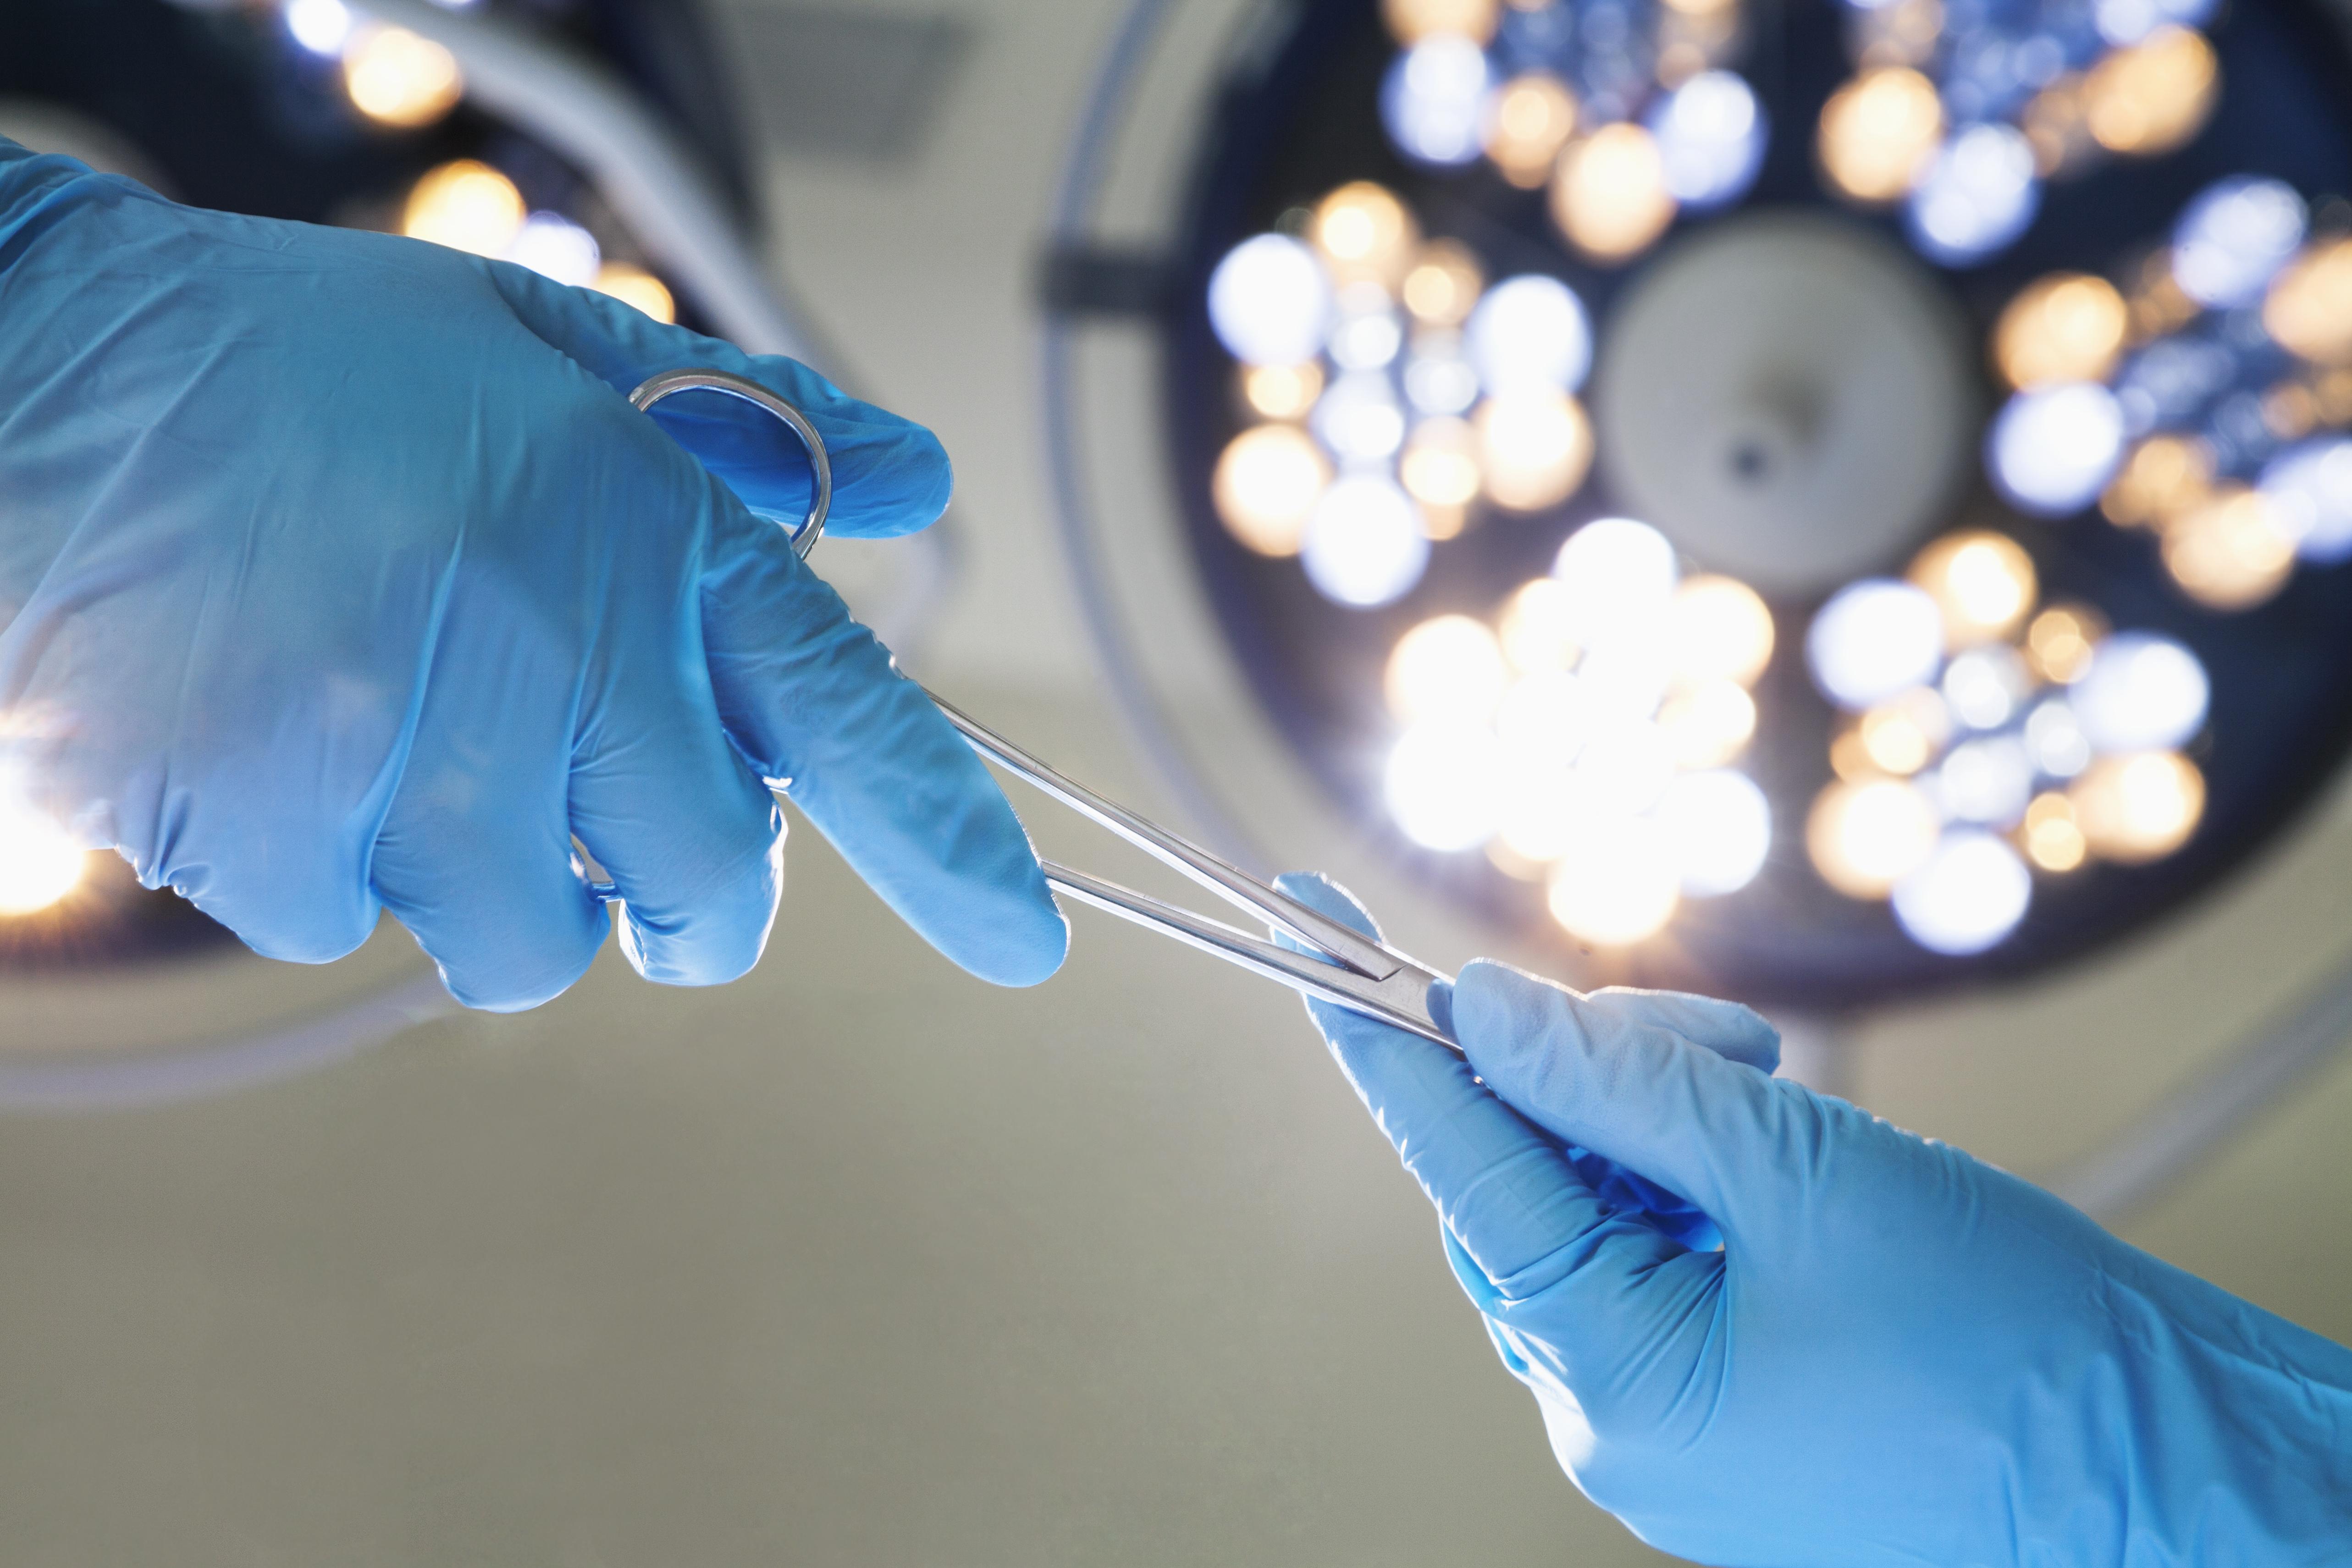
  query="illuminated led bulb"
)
[
  {"x": 1269, "y": 302},
  {"x": 2054, "y": 840},
  {"x": 321, "y": 26},
  {"x": 2234, "y": 238},
  {"x": 1267, "y": 484},
  {"x": 2139, "y": 807},
  {"x": 40, "y": 862},
  {"x": 1438, "y": 378},
  {"x": 2232, "y": 553},
  {"x": 2058, "y": 642},
  {"x": 1282, "y": 391},
  {"x": 2143, "y": 693},
  {"x": 1527, "y": 122},
  {"x": 2152, "y": 97},
  {"x": 1984, "y": 685},
  {"x": 1609, "y": 193},
  {"x": 1442, "y": 784},
  {"x": 1433, "y": 100},
  {"x": 465, "y": 205},
  {"x": 1443, "y": 284},
  {"x": 1982, "y": 583},
  {"x": 1968, "y": 895},
  {"x": 1543, "y": 720},
  {"x": 1721, "y": 630},
  {"x": 1710, "y": 136},
  {"x": 2054, "y": 742},
  {"x": 2164, "y": 477},
  {"x": 1364, "y": 233},
  {"x": 1538, "y": 629},
  {"x": 1878, "y": 132},
  {"x": 1873, "y": 641},
  {"x": 1866, "y": 837},
  {"x": 2067, "y": 326},
  {"x": 395, "y": 78},
  {"x": 1987, "y": 781},
  {"x": 2310, "y": 489},
  {"x": 636, "y": 285},
  {"x": 1440, "y": 467},
  {"x": 1708, "y": 724},
  {"x": 1447, "y": 667},
  {"x": 1620, "y": 577},
  {"x": 1905, "y": 735},
  {"x": 1367, "y": 335},
  {"x": 1534, "y": 449},
  {"x": 1358, "y": 417},
  {"x": 1539, "y": 813},
  {"x": 1411, "y": 21},
  {"x": 1530, "y": 334},
  {"x": 1365, "y": 545},
  {"x": 2309, "y": 309},
  {"x": 555, "y": 247},
  {"x": 1618, "y": 882},
  {"x": 1626, "y": 764},
  {"x": 1720, "y": 825},
  {"x": 2053, "y": 448},
  {"x": 1974, "y": 196}
]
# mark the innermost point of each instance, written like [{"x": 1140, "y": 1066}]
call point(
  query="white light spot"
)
[
  {"x": 1720, "y": 827},
  {"x": 1433, "y": 98},
  {"x": 1983, "y": 687},
  {"x": 1268, "y": 300},
  {"x": 1875, "y": 639},
  {"x": 2232, "y": 240},
  {"x": 555, "y": 247},
  {"x": 1710, "y": 135},
  {"x": 1442, "y": 784},
  {"x": 2053, "y": 447},
  {"x": 1617, "y": 882},
  {"x": 1358, "y": 417},
  {"x": 1529, "y": 333},
  {"x": 1364, "y": 543},
  {"x": 2311, "y": 486},
  {"x": 1977, "y": 197},
  {"x": 1619, "y": 577},
  {"x": 1971, "y": 893},
  {"x": 1988, "y": 781},
  {"x": 321, "y": 27},
  {"x": 2143, "y": 693}
]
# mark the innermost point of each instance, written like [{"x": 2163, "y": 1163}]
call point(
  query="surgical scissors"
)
[{"x": 1353, "y": 971}]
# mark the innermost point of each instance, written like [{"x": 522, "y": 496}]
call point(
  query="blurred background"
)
[{"x": 1834, "y": 504}]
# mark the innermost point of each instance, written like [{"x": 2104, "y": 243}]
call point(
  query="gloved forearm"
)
[
  {"x": 1899, "y": 1355},
  {"x": 339, "y": 574}
]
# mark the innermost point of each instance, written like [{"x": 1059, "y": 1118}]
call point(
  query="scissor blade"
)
[
  {"x": 1400, "y": 999},
  {"x": 1229, "y": 882}
]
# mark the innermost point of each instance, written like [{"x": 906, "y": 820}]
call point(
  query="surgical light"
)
[
  {"x": 1720, "y": 825},
  {"x": 2232, "y": 552},
  {"x": 1904, "y": 735},
  {"x": 1367, "y": 335},
  {"x": 2234, "y": 239},
  {"x": 2052, "y": 448},
  {"x": 1440, "y": 467},
  {"x": 1971, "y": 892},
  {"x": 1986, "y": 781},
  {"x": 2154, "y": 96},
  {"x": 40, "y": 861},
  {"x": 1268, "y": 300},
  {"x": 1442, "y": 784},
  {"x": 1434, "y": 99},
  {"x": 1365, "y": 234},
  {"x": 1358, "y": 417},
  {"x": 399, "y": 78},
  {"x": 1865, "y": 837},
  {"x": 1535, "y": 447},
  {"x": 1538, "y": 630},
  {"x": 1542, "y": 723},
  {"x": 1983, "y": 584},
  {"x": 1873, "y": 641},
  {"x": 1626, "y": 765},
  {"x": 466, "y": 204},
  {"x": 1529, "y": 120},
  {"x": 2054, "y": 742},
  {"x": 1619, "y": 882},
  {"x": 1618, "y": 575},
  {"x": 1976, "y": 196},
  {"x": 555, "y": 247},
  {"x": 1449, "y": 666},
  {"x": 2143, "y": 692},
  {"x": 1443, "y": 284},
  {"x": 2060, "y": 642},
  {"x": 1283, "y": 391},
  {"x": 2141, "y": 807},
  {"x": 636, "y": 286},
  {"x": 2309, "y": 488},
  {"x": 1609, "y": 194},
  {"x": 1531, "y": 334},
  {"x": 1708, "y": 724},
  {"x": 1879, "y": 132},
  {"x": 2052, "y": 839},
  {"x": 1710, "y": 138},
  {"x": 321, "y": 26},
  {"x": 2309, "y": 307},
  {"x": 1267, "y": 483},
  {"x": 1364, "y": 544},
  {"x": 1721, "y": 629},
  {"x": 2067, "y": 326},
  {"x": 1984, "y": 687}
]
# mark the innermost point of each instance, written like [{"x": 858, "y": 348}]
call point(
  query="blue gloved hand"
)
[
  {"x": 1900, "y": 1355},
  {"x": 337, "y": 571}
]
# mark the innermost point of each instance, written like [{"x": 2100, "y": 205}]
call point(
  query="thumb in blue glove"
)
[{"x": 1898, "y": 1355}]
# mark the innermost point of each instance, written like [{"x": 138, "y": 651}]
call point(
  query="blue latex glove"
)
[
  {"x": 337, "y": 571},
  {"x": 1900, "y": 1355}
]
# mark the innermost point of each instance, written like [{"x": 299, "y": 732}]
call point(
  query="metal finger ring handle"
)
[{"x": 657, "y": 387}]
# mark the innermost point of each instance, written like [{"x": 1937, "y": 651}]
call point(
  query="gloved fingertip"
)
[{"x": 518, "y": 991}]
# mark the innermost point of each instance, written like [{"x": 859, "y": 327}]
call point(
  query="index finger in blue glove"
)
[
  {"x": 1615, "y": 1074},
  {"x": 890, "y": 475},
  {"x": 1512, "y": 1198}
]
